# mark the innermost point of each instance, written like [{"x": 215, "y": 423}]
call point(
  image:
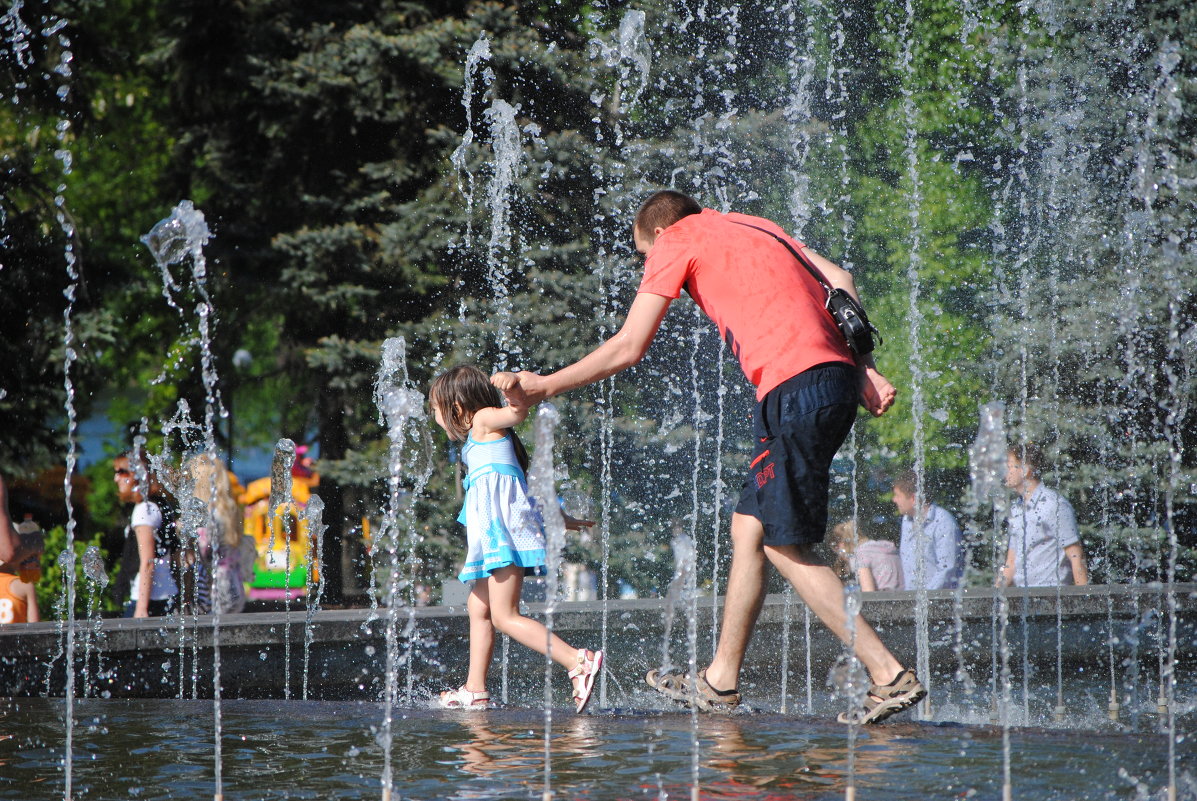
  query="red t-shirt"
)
[{"x": 768, "y": 307}]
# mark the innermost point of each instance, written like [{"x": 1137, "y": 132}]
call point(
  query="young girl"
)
[
  {"x": 234, "y": 562},
  {"x": 876, "y": 563},
  {"x": 504, "y": 532}
]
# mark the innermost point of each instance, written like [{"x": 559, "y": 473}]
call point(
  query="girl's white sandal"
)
[
  {"x": 589, "y": 665},
  {"x": 461, "y": 698}
]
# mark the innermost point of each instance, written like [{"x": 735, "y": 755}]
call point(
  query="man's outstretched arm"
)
[{"x": 620, "y": 352}]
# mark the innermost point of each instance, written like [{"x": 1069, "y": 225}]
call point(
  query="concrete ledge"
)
[{"x": 346, "y": 649}]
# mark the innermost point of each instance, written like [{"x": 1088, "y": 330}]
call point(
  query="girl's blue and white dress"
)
[{"x": 503, "y": 527}]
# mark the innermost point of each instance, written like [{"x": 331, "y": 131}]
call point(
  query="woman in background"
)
[{"x": 153, "y": 591}]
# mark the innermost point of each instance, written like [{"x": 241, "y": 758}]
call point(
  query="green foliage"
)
[
  {"x": 51, "y": 594},
  {"x": 1016, "y": 189}
]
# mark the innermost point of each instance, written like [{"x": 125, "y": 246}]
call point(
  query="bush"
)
[{"x": 50, "y": 588}]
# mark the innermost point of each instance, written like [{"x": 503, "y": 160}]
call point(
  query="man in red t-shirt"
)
[{"x": 770, "y": 311}]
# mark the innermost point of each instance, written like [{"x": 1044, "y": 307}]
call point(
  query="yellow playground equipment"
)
[{"x": 280, "y": 569}]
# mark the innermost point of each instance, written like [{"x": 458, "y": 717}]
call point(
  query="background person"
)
[
  {"x": 934, "y": 553},
  {"x": 11, "y": 549},
  {"x": 1045, "y": 546},
  {"x": 224, "y": 587},
  {"x": 875, "y": 563},
  {"x": 18, "y": 581},
  {"x": 770, "y": 310},
  {"x": 153, "y": 591}
]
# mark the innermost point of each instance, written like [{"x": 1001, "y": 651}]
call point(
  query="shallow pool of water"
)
[{"x": 289, "y": 750}]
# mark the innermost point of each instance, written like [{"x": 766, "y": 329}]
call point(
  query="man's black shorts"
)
[{"x": 799, "y": 426}]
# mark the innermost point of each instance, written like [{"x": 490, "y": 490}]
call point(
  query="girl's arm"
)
[
  {"x": 867, "y": 582},
  {"x": 145, "y": 576},
  {"x": 575, "y": 524},
  {"x": 495, "y": 418}
]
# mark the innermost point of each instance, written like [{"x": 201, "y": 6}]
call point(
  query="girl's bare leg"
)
[
  {"x": 482, "y": 636},
  {"x": 505, "y": 584}
]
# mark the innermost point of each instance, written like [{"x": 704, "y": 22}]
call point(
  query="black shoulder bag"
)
[{"x": 848, "y": 314}]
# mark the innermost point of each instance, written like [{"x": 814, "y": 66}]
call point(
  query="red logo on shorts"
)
[{"x": 764, "y": 475}]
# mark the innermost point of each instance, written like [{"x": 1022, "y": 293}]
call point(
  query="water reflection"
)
[
  {"x": 502, "y": 751},
  {"x": 742, "y": 757},
  {"x": 162, "y": 750}
]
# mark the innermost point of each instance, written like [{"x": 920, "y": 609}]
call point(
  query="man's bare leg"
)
[
  {"x": 741, "y": 602},
  {"x": 821, "y": 589}
]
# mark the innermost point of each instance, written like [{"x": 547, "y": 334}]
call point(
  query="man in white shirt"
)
[
  {"x": 930, "y": 545},
  {"x": 1045, "y": 546}
]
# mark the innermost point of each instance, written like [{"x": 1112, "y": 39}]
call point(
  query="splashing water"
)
[
  {"x": 630, "y": 53},
  {"x": 314, "y": 514},
  {"x": 508, "y": 161},
  {"x": 542, "y": 489},
  {"x": 398, "y": 403},
  {"x": 478, "y": 53},
  {"x": 987, "y": 456},
  {"x": 281, "y": 487},
  {"x": 172, "y": 240}
]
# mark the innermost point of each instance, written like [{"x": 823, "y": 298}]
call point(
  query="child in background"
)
[
  {"x": 875, "y": 563},
  {"x": 504, "y": 532},
  {"x": 18, "y": 580},
  {"x": 222, "y": 515}
]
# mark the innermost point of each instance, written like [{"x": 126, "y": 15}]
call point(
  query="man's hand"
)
[
  {"x": 513, "y": 391},
  {"x": 876, "y": 393},
  {"x": 534, "y": 386}
]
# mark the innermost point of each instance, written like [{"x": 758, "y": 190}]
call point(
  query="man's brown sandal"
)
[
  {"x": 886, "y": 700},
  {"x": 704, "y": 697}
]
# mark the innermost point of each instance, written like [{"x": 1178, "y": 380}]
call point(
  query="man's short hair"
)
[
  {"x": 1031, "y": 456},
  {"x": 662, "y": 209},
  {"x": 908, "y": 482}
]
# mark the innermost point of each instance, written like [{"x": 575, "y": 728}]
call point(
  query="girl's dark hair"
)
[{"x": 459, "y": 393}]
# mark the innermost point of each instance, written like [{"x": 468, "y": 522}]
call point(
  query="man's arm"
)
[
  {"x": 618, "y": 353},
  {"x": 1080, "y": 570},
  {"x": 10, "y": 544},
  {"x": 836, "y": 275},
  {"x": 145, "y": 576},
  {"x": 877, "y": 394},
  {"x": 1006, "y": 575}
]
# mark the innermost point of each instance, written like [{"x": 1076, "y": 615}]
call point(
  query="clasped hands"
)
[{"x": 516, "y": 392}]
